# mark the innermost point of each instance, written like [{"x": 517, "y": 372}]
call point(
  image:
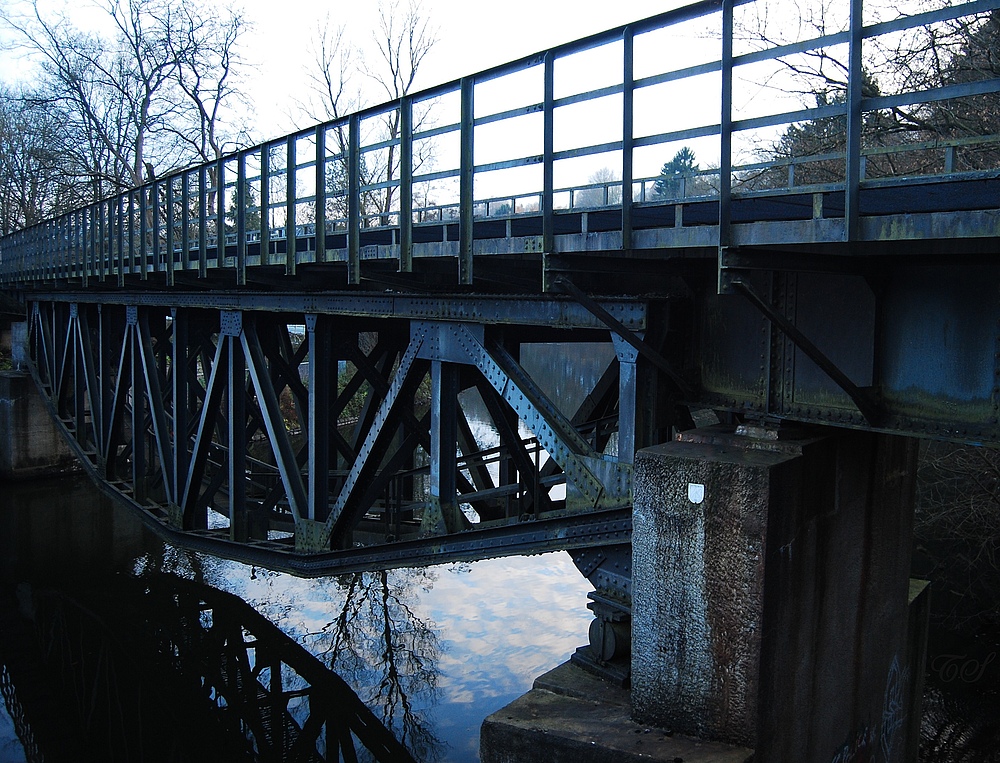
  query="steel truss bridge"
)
[{"x": 293, "y": 392}]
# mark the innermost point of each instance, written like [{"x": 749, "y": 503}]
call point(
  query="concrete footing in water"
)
[
  {"x": 571, "y": 716},
  {"x": 771, "y": 602},
  {"x": 31, "y": 444},
  {"x": 772, "y": 611}
]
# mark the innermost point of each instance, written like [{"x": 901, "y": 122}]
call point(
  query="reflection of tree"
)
[
  {"x": 377, "y": 642},
  {"x": 386, "y": 651}
]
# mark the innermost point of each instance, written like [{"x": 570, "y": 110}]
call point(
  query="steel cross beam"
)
[{"x": 232, "y": 425}]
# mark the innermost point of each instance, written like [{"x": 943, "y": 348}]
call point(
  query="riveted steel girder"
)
[{"x": 302, "y": 433}]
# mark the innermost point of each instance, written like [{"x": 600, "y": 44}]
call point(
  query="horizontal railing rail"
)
[{"x": 454, "y": 146}]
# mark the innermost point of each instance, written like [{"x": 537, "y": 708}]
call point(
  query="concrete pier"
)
[
  {"x": 771, "y": 592},
  {"x": 571, "y": 716},
  {"x": 31, "y": 444}
]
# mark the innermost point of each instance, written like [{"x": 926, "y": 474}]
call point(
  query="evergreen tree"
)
[{"x": 675, "y": 173}]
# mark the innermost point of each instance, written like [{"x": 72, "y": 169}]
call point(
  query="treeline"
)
[
  {"x": 916, "y": 139},
  {"x": 164, "y": 86},
  {"x": 107, "y": 112}
]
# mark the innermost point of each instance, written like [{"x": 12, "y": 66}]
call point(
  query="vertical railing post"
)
[
  {"x": 241, "y": 219},
  {"x": 406, "y": 184},
  {"x": 203, "y": 221},
  {"x": 82, "y": 254},
  {"x": 43, "y": 248},
  {"x": 265, "y": 204},
  {"x": 726, "y": 144},
  {"x": 132, "y": 264},
  {"x": 320, "y": 202},
  {"x": 548, "y": 154},
  {"x": 52, "y": 234},
  {"x": 220, "y": 214},
  {"x": 120, "y": 236},
  {"x": 628, "y": 103},
  {"x": 855, "y": 81},
  {"x": 144, "y": 230},
  {"x": 155, "y": 191},
  {"x": 94, "y": 235},
  {"x": 185, "y": 219},
  {"x": 354, "y": 200},
  {"x": 290, "y": 194},
  {"x": 103, "y": 248},
  {"x": 466, "y": 177},
  {"x": 169, "y": 222}
]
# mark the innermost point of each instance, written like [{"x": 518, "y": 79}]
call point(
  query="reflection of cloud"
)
[
  {"x": 500, "y": 623},
  {"x": 508, "y": 621}
]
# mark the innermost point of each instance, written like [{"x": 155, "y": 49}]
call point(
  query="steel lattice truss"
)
[{"x": 321, "y": 437}]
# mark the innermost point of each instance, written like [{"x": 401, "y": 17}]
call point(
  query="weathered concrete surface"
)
[
  {"x": 770, "y": 583},
  {"x": 19, "y": 345},
  {"x": 573, "y": 717},
  {"x": 30, "y": 442},
  {"x": 916, "y": 658}
]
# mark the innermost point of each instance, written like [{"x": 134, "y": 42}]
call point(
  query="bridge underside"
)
[
  {"x": 316, "y": 412},
  {"x": 264, "y": 432},
  {"x": 318, "y": 431}
]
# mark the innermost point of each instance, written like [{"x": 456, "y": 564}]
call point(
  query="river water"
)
[
  {"x": 431, "y": 651},
  {"x": 466, "y": 638}
]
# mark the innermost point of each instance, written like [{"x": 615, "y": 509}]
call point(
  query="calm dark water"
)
[{"x": 432, "y": 651}]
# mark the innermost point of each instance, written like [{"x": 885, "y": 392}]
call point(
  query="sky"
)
[
  {"x": 468, "y": 42},
  {"x": 474, "y": 37},
  {"x": 471, "y": 36}
]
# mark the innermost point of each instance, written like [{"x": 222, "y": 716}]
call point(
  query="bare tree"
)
[
  {"x": 957, "y": 529},
  {"x": 209, "y": 65},
  {"x": 112, "y": 91},
  {"x": 35, "y": 179},
  {"x": 608, "y": 189},
  {"x": 925, "y": 57},
  {"x": 403, "y": 39},
  {"x": 145, "y": 98}
]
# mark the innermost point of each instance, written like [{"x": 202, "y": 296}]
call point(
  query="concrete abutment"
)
[
  {"x": 771, "y": 592},
  {"x": 31, "y": 444},
  {"x": 773, "y": 615}
]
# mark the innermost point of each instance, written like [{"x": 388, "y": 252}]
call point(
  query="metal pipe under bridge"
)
[{"x": 269, "y": 368}]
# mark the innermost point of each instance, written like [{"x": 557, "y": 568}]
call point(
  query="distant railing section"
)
[{"x": 357, "y": 176}]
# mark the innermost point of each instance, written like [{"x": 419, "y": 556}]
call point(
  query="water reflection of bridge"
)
[
  {"x": 203, "y": 340},
  {"x": 163, "y": 668}
]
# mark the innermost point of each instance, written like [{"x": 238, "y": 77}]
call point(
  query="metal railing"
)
[{"x": 260, "y": 206}]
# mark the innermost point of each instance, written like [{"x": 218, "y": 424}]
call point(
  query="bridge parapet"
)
[{"x": 278, "y": 210}]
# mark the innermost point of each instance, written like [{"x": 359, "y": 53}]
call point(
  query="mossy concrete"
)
[
  {"x": 570, "y": 716},
  {"x": 31, "y": 444}
]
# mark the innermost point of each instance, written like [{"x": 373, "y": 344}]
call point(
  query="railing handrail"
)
[{"x": 128, "y": 232}]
